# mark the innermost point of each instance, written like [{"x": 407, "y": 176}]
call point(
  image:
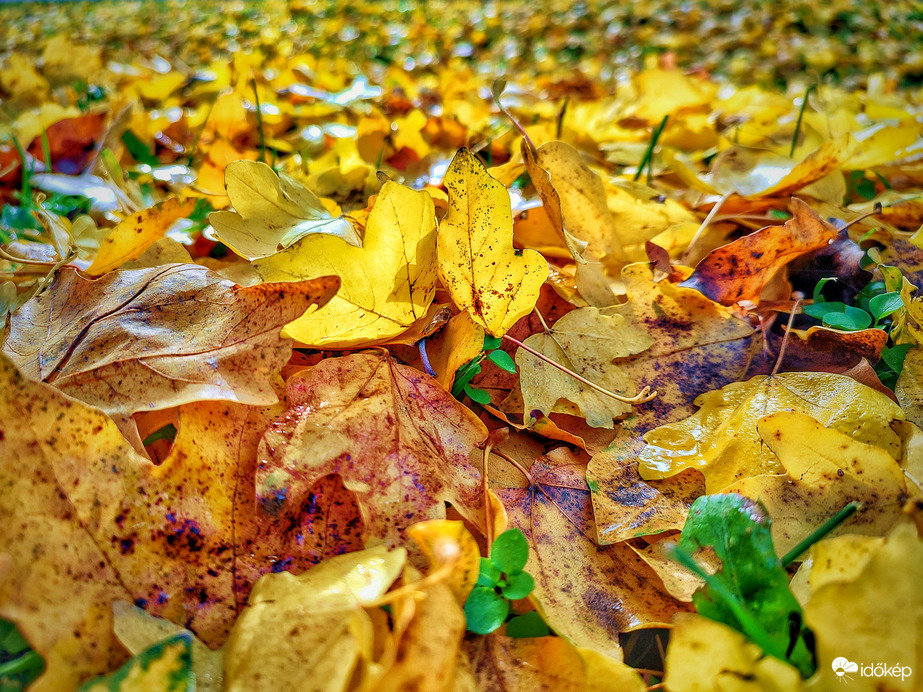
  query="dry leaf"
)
[
  {"x": 399, "y": 441},
  {"x": 739, "y": 271},
  {"x": 588, "y": 343},
  {"x": 135, "y": 234},
  {"x": 145, "y": 339}
]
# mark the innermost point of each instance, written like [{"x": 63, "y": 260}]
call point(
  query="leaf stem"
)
[
  {"x": 649, "y": 152},
  {"x": 821, "y": 531},
  {"x": 804, "y": 103},
  {"x": 750, "y": 625},
  {"x": 706, "y": 222},
  {"x": 785, "y": 339},
  {"x": 497, "y": 89},
  {"x": 639, "y": 398},
  {"x": 485, "y": 489}
]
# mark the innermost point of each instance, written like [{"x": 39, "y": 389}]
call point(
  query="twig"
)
[
  {"x": 705, "y": 223},
  {"x": 785, "y": 338},
  {"x": 639, "y": 398}
]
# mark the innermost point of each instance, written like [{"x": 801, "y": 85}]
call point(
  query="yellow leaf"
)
[
  {"x": 477, "y": 263},
  {"x": 547, "y": 663},
  {"x": 704, "y": 656},
  {"x": 722, "y": 440},
  {"x": 825, "y": 470},
  {"x": 271, "y": 212},
  {"x": 448, "y": 545},
  {"x": 137, "y": 233},
  {"x": 588, "y": 343},
  {"x": 311, "y": 627},
  {"x": 460, "y": 341},
  {"x": 872, "y": 618},
  {"x": 664, "y": 92},
  {"x": 387, "y": 284}
]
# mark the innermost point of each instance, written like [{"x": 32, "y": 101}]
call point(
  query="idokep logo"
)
[{"x": 843, "y": 668}]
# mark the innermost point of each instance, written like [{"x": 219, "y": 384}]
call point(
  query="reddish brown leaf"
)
[
  {"x": 71, "y": 142},
  {"x": 739, "y": 270},
  {"x": 399, "y": 440}
]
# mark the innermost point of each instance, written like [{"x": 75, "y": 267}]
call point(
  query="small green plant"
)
[
  {"x": 502, "y": 579},
  {"x": 492, "y": 352},
  {"x": 19, "y": 664}
]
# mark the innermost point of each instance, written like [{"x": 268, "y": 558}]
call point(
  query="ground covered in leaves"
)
[{"x": 374, "y": 348}]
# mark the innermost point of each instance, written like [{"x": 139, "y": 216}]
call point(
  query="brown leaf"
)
[
  {"x": 154, "y": 338},
  {"x": 866, "y": 343},
  {"x": 399, "y": 441},
  {"x": 546, "y": 664},
  {"x": 589, "y": 594},
  {"x": 71, "y": 143},
  {"x": 739, "y": 270}
]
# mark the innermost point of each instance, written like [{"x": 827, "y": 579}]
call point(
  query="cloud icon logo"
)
[{"x": 842, "y": 666}]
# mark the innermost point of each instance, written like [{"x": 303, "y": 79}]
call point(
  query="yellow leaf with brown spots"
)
[{"x": 482, "y": 272}]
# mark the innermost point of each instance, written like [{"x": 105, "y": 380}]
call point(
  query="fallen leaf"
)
[
  {"x": 164, "y": 667},
  {"x": 400, "y": 442},
  {"x": 71, "y": 143},
  {"x": 705, "y": 655},
  {"x": 573, "y": 197},
  {"x": 587, "y": 593},
  {"x": 546, "y": 663},
  {"x": 123, "y": 343},
  {"x": 722, "y": 440},
  {"x": 824, "y": 470},
  {"x": 859, "y": 619},
  {"x": 739, "y": 271},
  {"x": 386, "y": 285},
  {"x": 326, "y": 635},
  {"x": 588, "y": 343},
  {"x": 272, "y": 212},
  {"x": 495, "y": 284},
  {"x": 135, "y": 234},
  {"x": 449, "y": 547}
]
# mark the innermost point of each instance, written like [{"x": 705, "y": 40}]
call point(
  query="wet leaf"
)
[
  {"x": 824, "y": 470},
  {"x": 703, "y": 441},
  {"x": 382, "y": 291},
  {"x": 477, "y": 264},
  {"x": 272, "y": 212}
]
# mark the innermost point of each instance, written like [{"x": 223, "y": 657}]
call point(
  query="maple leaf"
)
[
  {"x": 722, "y": 438},
  {"x": 477, "y": 263},
  {"x": 86, "y": 521},
  {"x": 386, "y": 285},
  {"x": 400, "y": 442},
  {"x": 271, "y": 212},
  {"x": 824, "y": 469},
  {"x": 114, "y": 342}
]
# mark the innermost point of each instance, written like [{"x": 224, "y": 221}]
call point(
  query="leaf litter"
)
[{"x": 242, "y": 286}]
